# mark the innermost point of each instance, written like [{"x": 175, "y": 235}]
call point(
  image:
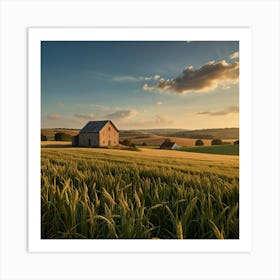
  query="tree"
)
[
  {"x": 167, "y": 140},
  {"x": 199, "y": 142},
  {"x": 216, "y": 142},
  {"x": 236, "y": 142},
  {"x": 44, "y": 137},
  {"x": 144, "y": 144},
  {"x": 61, "y": 136},
  {"x": 126, "y": 142}
]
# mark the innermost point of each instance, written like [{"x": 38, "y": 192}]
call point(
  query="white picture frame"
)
[
  {"x": 243, "y": 35},
  {"x": 261, "y": 261}
]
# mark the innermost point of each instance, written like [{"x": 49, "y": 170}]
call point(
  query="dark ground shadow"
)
[{"x": 55, "y": 145}]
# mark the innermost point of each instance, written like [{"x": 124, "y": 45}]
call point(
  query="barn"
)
[
  {"x": 168, "y": 145},
  {"x": 97, "y": 134}
]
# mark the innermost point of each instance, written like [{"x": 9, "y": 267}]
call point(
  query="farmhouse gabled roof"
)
[
  {"x": 167, "y": 144},
  {"x": 95, "y": 126}
]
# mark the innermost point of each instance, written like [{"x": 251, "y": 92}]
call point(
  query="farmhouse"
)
[
  {"x": 97, "y": 134},
  {"x": 169, "y": 145}
]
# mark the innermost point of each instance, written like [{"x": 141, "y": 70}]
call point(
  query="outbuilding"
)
[
  {"x": 97, "y": 134},
  {"x": 168, "y": 145}
]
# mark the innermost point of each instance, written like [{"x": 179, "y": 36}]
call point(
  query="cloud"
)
[
  {"x": 85, "y": 116},
  {"x": 161, "y": 119},
  {"x": 54, "y": 117},
  {"x": 121, "y": 114},
  {"x": 227, "y": 111},
  {"x": 61, "y": 104},
  {"x": 157, "y": 121},
  {"x": 155, "y": 77},
  {"x": 125, "y": 79},
  {"x": 96, "y": 107},
  {"x": 159, "y": 103},
  {"x": 206, "y": 78},
  {"x": 234, "y": 55},
  {"x": 118, "y": 115},
  {"x": 146, "y": 87}
]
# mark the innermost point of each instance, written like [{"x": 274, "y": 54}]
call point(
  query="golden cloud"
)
[{"x": 206, "y": 78}]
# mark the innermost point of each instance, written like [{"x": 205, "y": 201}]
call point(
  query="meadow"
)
[
  {"x": 151, "y": 193},
  {"x": 226, "y": 149}
]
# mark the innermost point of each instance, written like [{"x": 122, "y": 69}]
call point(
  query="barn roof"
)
[
  {"x": 95, "y": 126},
  {"x": 167, "y": 144}
]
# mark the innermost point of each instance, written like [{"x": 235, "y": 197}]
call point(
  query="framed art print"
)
[{"x": 138, "y": 140}]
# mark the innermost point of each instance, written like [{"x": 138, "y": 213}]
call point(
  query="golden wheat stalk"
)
[
  {"x": 179, "y": 230},
  {"x": 137, "y": 200},
  {"x": 217, "y": 232},
  {"x": 108, "y": 197}
]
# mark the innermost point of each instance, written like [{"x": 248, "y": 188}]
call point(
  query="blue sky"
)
[{"x": 145, "y": 84}]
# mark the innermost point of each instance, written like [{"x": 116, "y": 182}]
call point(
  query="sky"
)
[{"x": 140, "y": 84}]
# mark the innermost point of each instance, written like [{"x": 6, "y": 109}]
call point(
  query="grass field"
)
[
  {"x": 230, "y": 149},
  {"x": 157, "y": 140},
  {"x": 151, "y": 193}
]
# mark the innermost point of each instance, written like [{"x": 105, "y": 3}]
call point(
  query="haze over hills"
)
[
  {"x": 223, "y": 133},
  {"x": 155, "y": 137}
]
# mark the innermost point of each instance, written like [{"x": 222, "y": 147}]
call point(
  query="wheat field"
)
[{"x": 113, "y": 194}]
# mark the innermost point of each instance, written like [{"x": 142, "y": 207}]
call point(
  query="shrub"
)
[
  {"x": 216, "y": 142},
  {"x": 44, "y": 137},
  {"x": 199, "y": 142},
  {"x": 61, "y": 136},
  {"x": 144, "y": 144},
  {"x": 132, "y": 148},
  {"x": 126, "y": 142}
]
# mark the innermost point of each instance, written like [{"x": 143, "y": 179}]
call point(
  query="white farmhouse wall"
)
[{"x": 175, "y": 147}]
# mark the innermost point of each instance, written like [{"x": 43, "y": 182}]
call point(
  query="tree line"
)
[
  {"x": 214, "y": 142},
  {"x": 60, "y": 136}
]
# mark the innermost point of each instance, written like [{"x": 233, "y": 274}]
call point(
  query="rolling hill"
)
[
  {"x": 222, "y": 133},
  {"x": 155, "y": 137}
]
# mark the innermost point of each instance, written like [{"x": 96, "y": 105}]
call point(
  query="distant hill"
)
[
  {"x": 221, "y": 133},
  {"x": 156, "y": 136},
  {"x": 162, "y": 131},
  {"x": 182, "y": 137}
]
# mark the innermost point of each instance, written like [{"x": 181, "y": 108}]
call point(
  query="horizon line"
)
[{"x": 146, "y": 128}]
